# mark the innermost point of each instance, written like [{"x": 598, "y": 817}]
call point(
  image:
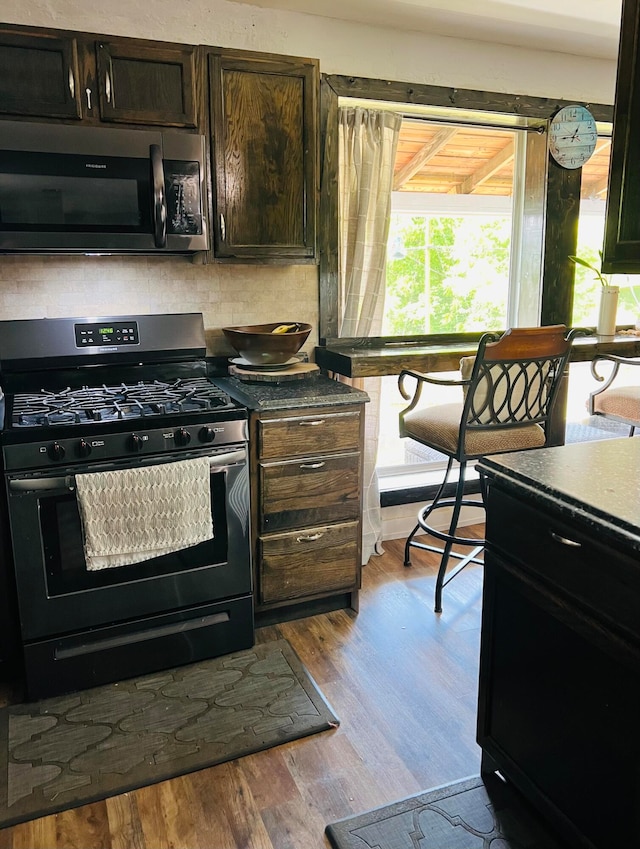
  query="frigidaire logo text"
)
[{"x": 93, "y": 165}]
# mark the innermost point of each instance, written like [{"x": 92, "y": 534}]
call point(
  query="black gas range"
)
[
  {"x": 78, "y": 388},
  {"x": 92, "y": 396}
]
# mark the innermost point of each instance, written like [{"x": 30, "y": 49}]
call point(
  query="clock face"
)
[{"x": 572, "y": 136}]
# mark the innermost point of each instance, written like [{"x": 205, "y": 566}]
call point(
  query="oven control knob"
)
[
  {"x": 135, "y": 442},
  {"x": 56, "y": 451},
  {"x": 83, "y": 448},
  {"x": 207, "y": 434},
  {"x": 182, "y": 437}
]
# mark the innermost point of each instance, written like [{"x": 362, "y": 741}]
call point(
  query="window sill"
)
[{"x": 416, "y": 487}]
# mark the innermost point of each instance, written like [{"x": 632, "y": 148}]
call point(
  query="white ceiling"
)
[{"x": 583, "y": 27}]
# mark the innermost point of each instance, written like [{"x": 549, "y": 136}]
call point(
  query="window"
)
[
  {"x": 448, "y": 256},
  {"x": 454, "y": 253},
  {"x": 544, "y": 204},
  {"x": 591, "y": 223},
  {"x": 452, "y": 262}
]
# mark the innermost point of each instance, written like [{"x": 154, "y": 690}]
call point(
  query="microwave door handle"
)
[{"x": 159, "y": 199}]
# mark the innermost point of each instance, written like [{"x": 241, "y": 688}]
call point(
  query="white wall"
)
[
  {"x": 342, "y": 48},
  {"x": 32, "y": 287}
]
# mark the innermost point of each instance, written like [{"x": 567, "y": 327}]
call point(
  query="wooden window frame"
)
[{"x": 559, "y": 198}]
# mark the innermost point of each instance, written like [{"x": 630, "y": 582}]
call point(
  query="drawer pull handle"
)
[
  {"x": 309, "y": 537},
  {"x": 312, "y": 465},
  {"x": 314, "y": 423},
  {"x": 565, "y": 540}
]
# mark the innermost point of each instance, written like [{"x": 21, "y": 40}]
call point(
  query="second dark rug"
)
[
  {"x": 474, "y": 813},
  {"x": 69, "y": 750}
]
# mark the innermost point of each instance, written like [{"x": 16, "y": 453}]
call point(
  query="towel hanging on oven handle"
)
[{"x": 218, "y": 463}]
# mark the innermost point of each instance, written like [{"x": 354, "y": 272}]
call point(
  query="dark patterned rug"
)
[
  {"x": 470, "y": 814},
  {"x": 69, "y": 750}
]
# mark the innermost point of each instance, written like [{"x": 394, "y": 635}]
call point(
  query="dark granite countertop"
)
[
  {"x": 594, "y": 482},
  {"x": 373, "y": 357},
  {"x": 314, "y": 391}
]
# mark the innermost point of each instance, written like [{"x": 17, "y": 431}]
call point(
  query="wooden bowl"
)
[{"x": 258, "y": 345}]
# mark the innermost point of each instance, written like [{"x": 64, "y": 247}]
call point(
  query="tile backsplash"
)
[{"x": 48, "y": 287}]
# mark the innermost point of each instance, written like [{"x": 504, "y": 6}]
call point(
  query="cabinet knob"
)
[
  {"x": 309, "y": 537},
  {"x": 313, "y": 423},
  {"x": 312, "y": 465}
]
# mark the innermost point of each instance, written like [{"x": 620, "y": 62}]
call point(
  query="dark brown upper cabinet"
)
[
  {"x": 621, "y": 252},
  {"x": 146, "y": 85},
  {"x": 264, "y": 126},
  {"x": 82, "y": 76},
  {"x": 39, "y": 75}
]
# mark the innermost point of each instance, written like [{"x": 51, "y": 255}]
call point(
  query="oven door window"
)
[
  {"x": 60, "y": 193},
  {"x": 65, "y": 566}
]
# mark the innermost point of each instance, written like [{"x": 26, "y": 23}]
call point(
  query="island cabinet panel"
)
[
  {"x": 264, "y": 128},
  {"x": 307, "y": 509},
  {"x": 621, "y": 251},
  {"x": 57, "y": 74},
  {"x": 39, "y": 75},
  {"x": 559, "y": 694}
]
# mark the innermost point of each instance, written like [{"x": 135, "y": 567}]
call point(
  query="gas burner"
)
[{"x": 93, "y": 404}]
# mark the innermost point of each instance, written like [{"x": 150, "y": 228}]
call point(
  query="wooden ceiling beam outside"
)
[
  {"x": 427, "y": 152},
  {"x": 451, "y": 160},
  {"x": 486, "y": 171}
]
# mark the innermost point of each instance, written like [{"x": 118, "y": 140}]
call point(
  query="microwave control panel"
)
[
  {"x": 99, "y": 335},
  {"x": 184, "y": 203}
]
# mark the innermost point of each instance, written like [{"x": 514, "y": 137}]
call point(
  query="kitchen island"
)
[{"x": 559, "y": 690}]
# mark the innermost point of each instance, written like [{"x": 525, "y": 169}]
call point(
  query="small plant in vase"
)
[{"x": 608, "y": 298}]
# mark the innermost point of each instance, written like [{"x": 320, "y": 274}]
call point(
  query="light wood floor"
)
[{"x": 403, "y": 681}]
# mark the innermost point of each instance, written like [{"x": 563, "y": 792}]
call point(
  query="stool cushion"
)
[
  {"x": 438, "y": 427},
  {"x": 623, "y": 402}
]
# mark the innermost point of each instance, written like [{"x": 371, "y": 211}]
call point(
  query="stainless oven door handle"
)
[
  {"x": 67, "y": 482},
  {"x": 231, "y": 458},
  {"x": 218, "y": 463}
]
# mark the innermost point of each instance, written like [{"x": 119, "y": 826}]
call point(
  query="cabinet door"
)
[
  {"x": 264, "y": 128},
  {"x": 140, "y": 84},
  {"x": 39, "y": 76},
  {"x": 559, "y": 699},
  {"x": 621, "y": 252}
]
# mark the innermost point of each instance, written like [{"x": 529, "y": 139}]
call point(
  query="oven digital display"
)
[{"x": 97, "y": 336}]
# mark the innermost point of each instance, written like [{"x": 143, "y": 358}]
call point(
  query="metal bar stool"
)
[
  {"x": 509, "y": 389},
  {"x": 618, "y": 403}
]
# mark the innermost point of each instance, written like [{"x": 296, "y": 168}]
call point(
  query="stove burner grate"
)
[{"x": 90, "y": 404}]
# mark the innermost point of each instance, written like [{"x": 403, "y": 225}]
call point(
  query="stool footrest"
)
[
  {"x": 470, "y": 557},
  {"x": 445, "y": 536}
]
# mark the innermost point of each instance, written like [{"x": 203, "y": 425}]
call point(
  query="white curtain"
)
[{"x": 367, "y": 147}]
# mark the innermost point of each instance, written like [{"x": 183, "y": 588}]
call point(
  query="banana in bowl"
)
[{"x": 268, "y": 344}]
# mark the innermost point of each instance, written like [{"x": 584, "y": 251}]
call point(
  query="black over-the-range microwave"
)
[{"x": 67, "y": 189}]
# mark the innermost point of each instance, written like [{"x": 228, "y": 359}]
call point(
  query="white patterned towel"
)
[{"x": 132, "y": 515}]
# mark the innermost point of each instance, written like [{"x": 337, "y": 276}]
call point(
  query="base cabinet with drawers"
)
[
  {"x": 307, "y": 506},
  {"x": 559, "y": 688}
]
